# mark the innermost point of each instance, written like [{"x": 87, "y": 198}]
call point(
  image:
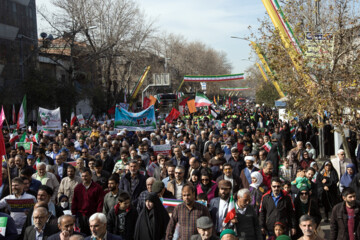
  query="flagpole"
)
[
  {"x": 7, "y": 124},
  {"x": 8, "y": 171}
]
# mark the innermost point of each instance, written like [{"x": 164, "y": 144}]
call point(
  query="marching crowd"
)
[{"x": 245, "y": 174}]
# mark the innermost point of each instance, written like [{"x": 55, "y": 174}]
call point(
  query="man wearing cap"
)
[
  {"x": 158, "y": 187},
  {"x": 218, "y": 206},
  {"x": 228, "y": 234},
  {"x": 204, "y": 227},
  {"x": 340, "y": 163},
  {"x": 246, "y": 172}
]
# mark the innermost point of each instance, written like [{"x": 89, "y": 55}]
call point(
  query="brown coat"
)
[
  {"x": 171, "y": 186},
  {"x": 243, "y": 178},
  {"x": 338, "y": 223}
]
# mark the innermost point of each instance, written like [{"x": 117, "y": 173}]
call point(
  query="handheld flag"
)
[
  {"x": 267, "y": 146},
  {"x": 231, "y": 212},
  {"x": 14, "y": 136},
  {"x": 35, "y": 138},
  {"x": 2, "y": 117},
  {"x": 73, "y": 119},
  {"x": 174, "y": 114},
  {"x": 201, "y": 100},
  {"x": 21, "y": 122}
]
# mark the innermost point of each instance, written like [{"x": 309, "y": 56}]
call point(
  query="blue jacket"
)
[{"x": 34, "y": 185}]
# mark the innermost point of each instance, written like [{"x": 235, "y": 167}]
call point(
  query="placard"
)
[{"x": 162, "y": 149}]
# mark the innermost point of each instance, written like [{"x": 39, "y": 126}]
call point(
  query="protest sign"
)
[
  {"x": 144, "y": 120},
  {"x": 49, "y": 119},
  {"x": 28, "y": 146},
  {"x": 20, "y": 205},
  {"x": 162, "y": 149},
  {"x": 81, "y": 119}
]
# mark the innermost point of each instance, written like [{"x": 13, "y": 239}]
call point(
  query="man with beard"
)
[
  {"x": 170, "y": 168},
  {"x": 345, "y": 217},
  {"x": 111, "y": 198},
  {"x": 133, "y": 182},
  {"x": 308, "y": 228},
  {"x": 68, "y": 184},
  {"x": 218, "y": 206},
  {"x": 228, "y": 175},
  {"x": 175, "y": 186},
  {"x": 186, "y": 214},
  {"x": 246, "y": 172}
]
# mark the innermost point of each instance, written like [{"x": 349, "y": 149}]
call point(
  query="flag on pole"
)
[
  {"x": 174, "y": 114},
  {"x": 184, "y": 102},
  {"x": 21, "y": 121},
  {"x": 72, "y": 119},
  {"x": 2, "y": 151},
  {"x": 24, "y": 138},
  {"x": 231, "y": 211},
  {"x": 2, "y": 117},
  {"x": 35, "y": 138},
  {"x": 152, "y": 100},
  {"x": 267, "y": 146},
  {"x": 13, "y": 114},
  {"x": 201, "y": 100},
  {"x": 14, "y": 136},
  {"x": 292, "y": 130}
]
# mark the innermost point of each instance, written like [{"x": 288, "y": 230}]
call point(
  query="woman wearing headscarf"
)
[
  {"x": 207, "y": 186},
  {"x": 257, "y": 189},
  {"x": 152, "y": 221},
  {"x": 347, "y": 178},
  {"x": 328, "y": 194},
  {"x": 195, "y": 177},
  {"x": 305, "y": 160},
  {"x": 311, "y": 150}
]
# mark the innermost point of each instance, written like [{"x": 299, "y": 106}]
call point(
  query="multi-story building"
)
[{"x": 18, "y": 44}]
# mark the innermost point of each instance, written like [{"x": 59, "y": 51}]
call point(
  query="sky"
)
[{"x": 209, "y": 21}]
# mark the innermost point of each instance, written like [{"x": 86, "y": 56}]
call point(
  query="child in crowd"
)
[{"x": 285, "y": 172}]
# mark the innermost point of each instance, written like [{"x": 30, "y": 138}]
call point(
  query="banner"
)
[
  {"x": 28, "y": 146},
  {"x": 49, "y": 132},
  {"x": 124, "y": 106},
  {"x": 20, "y": 205},
  {"x": 164, "y": 149},
  {"x": 81, "y": 119},
  {"x": 169, "y": 202},
  {"x": 49, "y": 119},
  {"x": 214, "y": 78},
  {"x": 191, "y": 106},
  {"x": 144, "y": 120}
]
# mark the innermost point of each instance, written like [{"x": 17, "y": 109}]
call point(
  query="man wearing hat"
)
[
  {"x": 205, "y": 229},
  {"x": 218, "y": 206},
  {"x": 246, "y": 172},
  {"x": 228, "y": 234},
  {"x": 158, "y": 187}
]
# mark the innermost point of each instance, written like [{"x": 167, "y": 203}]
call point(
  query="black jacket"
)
[
  {"x": 283, "y": 212},
  {"x": 30, "y": 232},
  {"x": 125, "y": 185},
  {"x": 248, "y": 224},
  {"x": 130, "y": 221},
  {"x": 338, "y": 222}
]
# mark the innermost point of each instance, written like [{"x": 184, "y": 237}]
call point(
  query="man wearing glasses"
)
[
  {"x": 340, "y": 163},
  {"x": 276, "y": 206},
  {"x": 175, "y": 186}
]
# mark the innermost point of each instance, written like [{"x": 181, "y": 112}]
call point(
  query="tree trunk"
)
[{"x": 344, "y": 142}]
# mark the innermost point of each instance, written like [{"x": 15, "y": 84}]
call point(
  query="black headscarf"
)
[{"x": 151, "y": 225}]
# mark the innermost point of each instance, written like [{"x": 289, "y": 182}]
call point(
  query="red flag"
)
[
  {"x": 111, "y": 110},
  {"x": 174, "y": 114},
  {"x": 2, "y": 151},
  {"x": 146, "y": 103},
  {"x": 184, "y": 102}
]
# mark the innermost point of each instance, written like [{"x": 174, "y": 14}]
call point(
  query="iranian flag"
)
[
  {"x": 292, "y": 130},
  {"x": 231, "y": 211},
  {"x": 35, "y": 138},
  {"x": 24, "y": 138},
  {"x": 14, "y": 136},
  {"x": 72, "y": 119},
  {"x": 267, "y": 146},
  {"x": 21, "y": 122},
  {"x": 201, "y": 100}
]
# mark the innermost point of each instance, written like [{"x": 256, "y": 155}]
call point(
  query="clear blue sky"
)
[{"x": 209, "y": 21}]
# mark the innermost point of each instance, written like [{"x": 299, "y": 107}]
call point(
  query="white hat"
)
[{"x": 251, "y": 158}]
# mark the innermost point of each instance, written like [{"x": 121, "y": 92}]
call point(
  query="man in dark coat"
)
[
  {"x": 40, "y": 227},
  {"x": 228, "y": 174},
  {"x": 276, "y": 206},
  {"x": 218, "y": 206},
  {"x": 98, "y": 226},
  {"x": 133, "y": 182},
  {"x": 345, "y": 217},
  {"x": 66, "y": 224}
]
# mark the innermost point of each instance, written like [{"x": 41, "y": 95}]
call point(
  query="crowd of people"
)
[{"x": 245, "y": 174}]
